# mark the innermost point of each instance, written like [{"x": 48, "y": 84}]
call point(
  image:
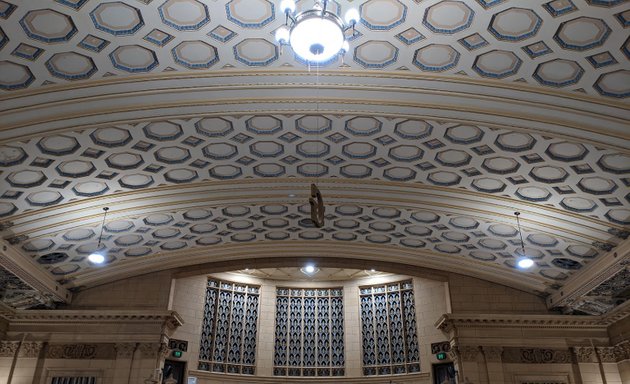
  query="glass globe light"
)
[
  {"x": 352, "y": 16},
  {"x": 282, "y": 35},
  {"x": 316, "y": 39},
  {"x": 287, "y": 6}
]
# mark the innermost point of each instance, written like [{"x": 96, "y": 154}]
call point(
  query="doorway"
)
[
  {"x": 174, "y": 369},
  {"x": 444, "y": 374}
]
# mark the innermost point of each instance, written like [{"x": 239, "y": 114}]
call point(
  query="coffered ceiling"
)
[{"x": 202, "y": 136}]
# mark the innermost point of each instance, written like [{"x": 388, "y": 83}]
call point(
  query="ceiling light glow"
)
[
  {"x": 525, "y": 263},
  {"x": 96, "y": 258},
  {"x": 309, "y": 268}
]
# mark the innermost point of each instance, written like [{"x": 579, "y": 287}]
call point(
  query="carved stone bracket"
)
[
  {"x": 125, "y": 350},
  {"x": 583, "y": 354},
  {"x": 164, "y": 350},
  {"x": 493, "y": 354}
]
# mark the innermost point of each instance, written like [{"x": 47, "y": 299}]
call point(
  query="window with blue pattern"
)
[
  {"x": 309, "y": 332},
  {"x": 228, "y": 331},
  {"x": 388, "y": 329}
]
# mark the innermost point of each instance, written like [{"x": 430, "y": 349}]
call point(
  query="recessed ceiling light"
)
[
  {"x": 372, "y": 270},
  {"x": 310, "y": 268},
  {"x": 291, "y": 194},
  {"x": 525, "y": 263},
  {"x": 96, "y": 258}
]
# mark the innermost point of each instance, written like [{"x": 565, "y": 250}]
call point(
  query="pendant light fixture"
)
[
  {"x": 316, "y": 35},
  {"x": 523, "y": 262},
  {"x": 98, "y": 256}
]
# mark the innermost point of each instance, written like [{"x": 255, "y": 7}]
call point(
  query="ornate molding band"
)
[
  {"x": 81, "y": 351},
  {"x": 536, "y": 356}
]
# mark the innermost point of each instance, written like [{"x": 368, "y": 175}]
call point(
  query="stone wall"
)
[{"x": 498, "y": 335}]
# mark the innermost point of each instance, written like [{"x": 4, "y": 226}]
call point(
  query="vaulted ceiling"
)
[{"x": 202, "y": 137}]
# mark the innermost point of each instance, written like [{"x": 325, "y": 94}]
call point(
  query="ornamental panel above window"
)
[
  {"x": 228, "y": 331},
  {"x": 388, "y": 326}
]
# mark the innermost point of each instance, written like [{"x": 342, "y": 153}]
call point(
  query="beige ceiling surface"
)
[
  {"x": 579, "y": 45},
  {"x": 320, "y": 274},
  {"x": 202, "y": 137}
]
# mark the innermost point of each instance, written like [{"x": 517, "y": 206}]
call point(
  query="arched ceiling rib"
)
[{"x": 421, "y": 160}]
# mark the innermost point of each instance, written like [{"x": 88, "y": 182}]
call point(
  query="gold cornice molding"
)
[
  {"x": 299, "y": 85},
  {"x": 93, "y": 316},
  {"x": 449, "y": 321},
  {"x": 284, "y": 252},
  {"x": 512, "y": 108},
  {"x": 380, "y": 74},
  {"x": 525, "y": 117}
]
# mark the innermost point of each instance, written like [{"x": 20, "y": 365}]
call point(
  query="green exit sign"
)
[
  {"x": 177, "y": 354},
  {"x": 441, "y": 356}
]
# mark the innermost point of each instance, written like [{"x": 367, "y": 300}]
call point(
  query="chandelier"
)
[{"x": 315, "y": 35}]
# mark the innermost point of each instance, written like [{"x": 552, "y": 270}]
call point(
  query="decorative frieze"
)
[
  {"x": 536, "y": 356},
  {"x": 81, "y": 351}
]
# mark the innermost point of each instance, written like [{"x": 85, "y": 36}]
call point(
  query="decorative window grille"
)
[
  {"x": 73, "y": 380},
  {"x": 228, "y": 331},
  {"x": 309, "y": 332},
  {"x": 388, "y": 326}
]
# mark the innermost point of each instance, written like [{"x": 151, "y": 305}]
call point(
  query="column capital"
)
[
  {"x": 492, "y": 353},
  {"x": 468, "y": 352},
  {"x": 583, "y": 354},
  {"x": 125, "y": 350},
  {"x": 8, "y": 348},
  {"x": 149, "y": 350}
]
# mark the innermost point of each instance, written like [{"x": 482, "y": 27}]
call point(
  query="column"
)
[
  {"x": 468, "y": 364},
  {"x": 622, "y": 352},
  {"x": 124, "y": 359},
  {"x": 587, "y": 364},
  {"x": 608, "y": 361},
  {"x": 352, "y": 330},
  {"x": 144, "y": 367},
  {"x": 26, "y": 362},
  {"x": 265, "y": 343},
  {"x": 494, "y": 364}
]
